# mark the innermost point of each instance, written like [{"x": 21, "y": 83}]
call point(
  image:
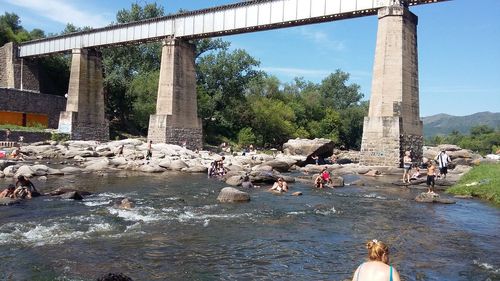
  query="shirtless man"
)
[{"x": 431, "y": 175}]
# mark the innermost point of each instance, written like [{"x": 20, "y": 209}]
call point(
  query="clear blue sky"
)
[{"x": 458, "y": 45}]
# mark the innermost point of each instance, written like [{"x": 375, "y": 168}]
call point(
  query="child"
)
[{"x": 431, "y": 174}]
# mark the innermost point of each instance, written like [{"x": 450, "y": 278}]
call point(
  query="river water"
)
[{"x": 178, "y": 231}]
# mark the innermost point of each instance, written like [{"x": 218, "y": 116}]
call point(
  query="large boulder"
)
[
  {"x": 24, "y": 170},
  {"x": 279, "y": 166},
  {"x": 432, "y": 198},
  {"x": 231, "y": 194},
  {"x": 177, "y": 165},
  {"x": 10, "y": 170},
  {"x": 337, "y": 182},
  {"x": 6, "y": 163},
  {"x": 323, "y": 148},
  {"x": 97, "y": 165},
  {"x": 40, "y": 170},
  {"x": 234, "y": 180},
  {"x": 151, "y": 169}
]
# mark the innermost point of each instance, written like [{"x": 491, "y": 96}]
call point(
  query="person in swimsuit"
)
[
  {"x": 8, "y": 192},
  {"x": 377, "y": 267},
  {"x": 406, "y": 166},
  {"x": 25, "y": 188},
  {"x": 280, "y": 185}
]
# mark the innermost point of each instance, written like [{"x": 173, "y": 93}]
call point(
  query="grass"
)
[
  {"x": 34, "y": 128},
  {"x": 482, "y": 181}
]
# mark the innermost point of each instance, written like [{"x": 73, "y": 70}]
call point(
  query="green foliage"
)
[
  {"x": 246, "y": 137},
  {"x": 482, "y": 181},
  {"x": 59, "y": 136},
  {"x": 482, "y": 139},
  {"x": 36, "y": 128}
]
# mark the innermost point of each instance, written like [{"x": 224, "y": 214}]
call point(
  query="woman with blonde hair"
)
[{"x": 377, "y": 267}]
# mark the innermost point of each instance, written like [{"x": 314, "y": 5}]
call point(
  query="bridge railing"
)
[{"x": 242, "y": 17}]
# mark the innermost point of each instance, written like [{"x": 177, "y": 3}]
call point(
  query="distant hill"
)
[{"x": 443, "y": 124}]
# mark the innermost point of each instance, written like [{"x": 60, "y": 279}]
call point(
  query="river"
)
[{"x": 178, "y": 231}]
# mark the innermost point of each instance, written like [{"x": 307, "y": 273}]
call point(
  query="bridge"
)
[{"x": 393, "y": 123}]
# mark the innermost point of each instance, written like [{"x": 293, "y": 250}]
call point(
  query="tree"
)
[
  {"x": 222, "y": 80},
  {"x": 337, "y": 94}
]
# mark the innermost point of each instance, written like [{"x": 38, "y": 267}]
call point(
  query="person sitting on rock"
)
[
  {"x": 280, "y": 185},
  {"x": 415, "y": 174},
  {"x": 16, "y": 154},
  {"x": 377, "y": 267},
  {"x": 220, "y": 167},
  {"x": 8, "y": 192},
  {"x": 323, "y": 178},
  {"x": 120, "y": 150},
  {"x": 24, "y": 188}
]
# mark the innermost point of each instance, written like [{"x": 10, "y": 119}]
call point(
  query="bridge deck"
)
[{"x": 242, "y": 17}]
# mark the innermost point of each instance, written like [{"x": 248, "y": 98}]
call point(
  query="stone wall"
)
[
  {"x": 30, "y": 102},
  {"x": 3, "y": 68},
  {"x": 27, "y": 137}
]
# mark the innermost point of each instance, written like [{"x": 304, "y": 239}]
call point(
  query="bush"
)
[
  {"x": 59, "y": 136},
  {"x": 246, "y": 137}
]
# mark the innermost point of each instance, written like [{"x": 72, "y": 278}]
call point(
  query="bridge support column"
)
[
  {"x": 17, "y": 73},
  {"x": 84, "y": 116},
  {"x": 176, "y": 120},
  {"x": 393, "y": 124}
]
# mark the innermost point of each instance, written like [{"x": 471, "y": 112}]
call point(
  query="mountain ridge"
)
[{"x": 444, "y": 124}]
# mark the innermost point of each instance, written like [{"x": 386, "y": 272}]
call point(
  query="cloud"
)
[
  {"x": 63, "y": 12},
  {"x": 321, "y": 38}
]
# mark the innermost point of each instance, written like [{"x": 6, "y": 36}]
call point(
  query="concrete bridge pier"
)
[
  {"x": 176, "y": 120},
  {"x": 84, "y": 117},
  {"x": 393, "y": 124}
]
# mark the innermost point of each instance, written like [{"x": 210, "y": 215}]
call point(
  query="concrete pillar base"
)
[
  {"x": 385, "y": 147},
  {"x": 69, "y": 124},
  {"x": 162, "y": 131}
]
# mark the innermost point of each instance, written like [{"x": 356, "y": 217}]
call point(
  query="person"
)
[
  {"x": 7, "y": 134},
  {"x": 247, "y": 183},
  {"x": 323, "y": 178},
  {"x": 120, "y": 150},
  {"x": 212, "y": 171},
  {"x": 8, "y": 192},
  {"x": 431, "y": 174},
  {"x": 24, "y": 188},
  {"x": 149, "y": 154},
  {"x": 406, "y": 166},
  {"x": 16, "y": 154},
  {"x": 443, "y": 159},
  {"x": 415, "y": 174},
  {"x": 220, "y": 167},
  {"x": 316, "y": 159},
  {"x": 280, "y": 185},
  {"x": 377, "y": 267}
]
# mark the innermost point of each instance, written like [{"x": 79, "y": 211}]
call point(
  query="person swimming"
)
[{"x": 280, "y": 185}]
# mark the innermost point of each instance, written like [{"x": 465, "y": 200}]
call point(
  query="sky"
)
[{"x": 458, "y": 46}]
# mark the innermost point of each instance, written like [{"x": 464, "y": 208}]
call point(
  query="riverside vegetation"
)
[{"x": 482, "y": 181}]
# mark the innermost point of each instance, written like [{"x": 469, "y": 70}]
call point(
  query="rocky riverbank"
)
[{"x": 49, "y": 159}]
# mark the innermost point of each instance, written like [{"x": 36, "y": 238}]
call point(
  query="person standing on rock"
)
[
  {"x": 431, "y": 175},
  {"x": 443, "y": 159},
  {"x": 407, "y": 162},
  {"x": 377, "y": 267},
  {"x": 149, "y": 154}
]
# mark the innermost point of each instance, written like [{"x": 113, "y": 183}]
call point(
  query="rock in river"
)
[{"x": 231, "y": 194}]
